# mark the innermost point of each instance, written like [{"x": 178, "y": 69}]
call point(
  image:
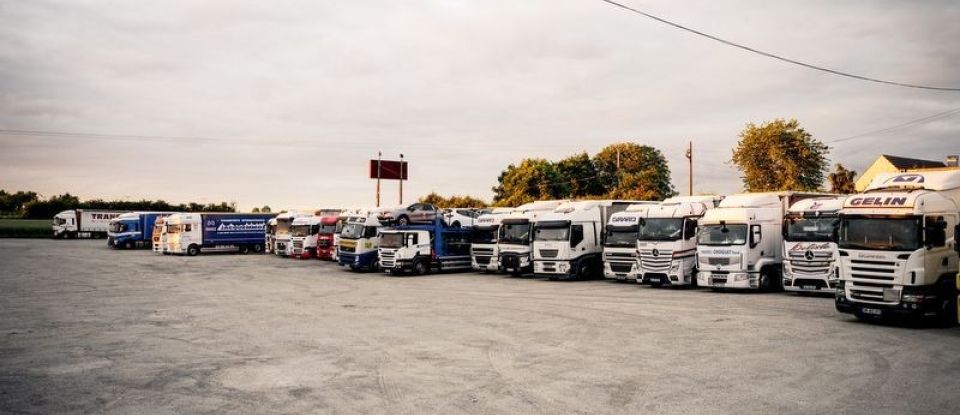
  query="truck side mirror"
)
[{"x": 755, "y": 235}]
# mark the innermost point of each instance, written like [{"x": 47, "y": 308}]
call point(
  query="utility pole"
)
[
  {"x": 379, "y": 156},
  {"x": 690, "y": 161},
  {"x": 401, "y": 178}
]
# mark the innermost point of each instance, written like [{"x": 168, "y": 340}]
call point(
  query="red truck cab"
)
[{"x": 328, "y": 228}]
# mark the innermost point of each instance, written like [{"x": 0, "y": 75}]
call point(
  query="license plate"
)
[
  {"x": 655, "y": 279},
  {"x": 871, "y": 311},
  {"x": 808, "y": 287}
]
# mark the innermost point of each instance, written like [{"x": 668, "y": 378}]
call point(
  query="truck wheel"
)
[
  {"x": 455, "y": 224},
  {"x": 583, "y": 271},
  {"x": 244, "y": 249},
  {"x": 193, "y": 250},
  {"x": 403, "y": 220},
  {"x": 128, "y": 245},
  {"x": 257, "y": 248},
  {"x": 947, "y": 314},
  {"x": 767, "y": 281},
  {"x": 419, "y": 267}
]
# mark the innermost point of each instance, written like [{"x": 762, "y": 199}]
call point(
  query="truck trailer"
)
[
  {"x": 667, "y": 241},
  {"x": 483, "y": 247},
  {"x": 83, "y": 223},
  {"x": 895, "y": 245},
  {"x": 191, "y": 233},
  {"x": 516, "y": 236},
  {"x": 739, "y": 244},
  {"x": 420, "y": 249},
  {"x": 568, "y": 242},
  {"x": 133, "y": 230},
  {"x": 809, "y": 246}
]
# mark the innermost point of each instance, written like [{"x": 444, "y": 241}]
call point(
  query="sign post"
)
[{"x": 388, "y": 170}]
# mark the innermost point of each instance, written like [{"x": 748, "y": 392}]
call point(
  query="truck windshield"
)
[
  {"x": 485, "y": 235},
  {"x": 518, "y": 234},
  {"x": 552, "y": 234},
  {"x": 722, "y": 235},
  {"x": 328, "y": 229},
  {"x": 623, "y": 236},
  {"x": 271, "y": 229},
  {"x": 352, "y": 231},
  {"x": 59, "y": 221},
  {"x": 299, "y": 230},
  {"x": 391, "y": 240},
  {"x": 800, "y": 229},
  {"x": 116, "y": 227},
  {"x": 660, "y": 229},
  {"x": 880, "y": 233},
  {"x": 283, "y": 225}
]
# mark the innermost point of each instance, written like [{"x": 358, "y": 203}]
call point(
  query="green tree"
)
[
  {"x": 265, "y": 209},
  {"x": 643, "y": 173},
  {"x": 578, "y": 177},
  {"x": 255, "y": 210},
  {"x": 841, "y": 180},
  {"x": 455, "y": 201},
  {"x": 532, "y": 179},
  {"x": 780, "y": 155}
]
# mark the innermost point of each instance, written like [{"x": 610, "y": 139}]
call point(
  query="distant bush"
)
[{"x": 28, "y": 205}]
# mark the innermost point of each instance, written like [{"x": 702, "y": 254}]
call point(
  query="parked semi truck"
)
[
  {"x": 304, "y": 232},
  {"x": 896, "y": 246},
  {"x": 667, "y": 240},
  {"x": 483, "y": 247},
  {"x": 192, "y": 233},
  {"x": 739, "y": 244},
  {"x": 281, "y": 244},
  {"x": 516, "y": 236},
  {"x": 620, "y": 242},
  {"x": 809, "y": 247},
  {"x": 133, "y": 230},
  {"x": 419, "y": 249},
  {"x": 83, "y": 223},
  {"x": 568, "y": 242},
  {"x": 326, "y": 237},
  {"x": 360, "y": 240},
  {"x": 160, "y": 235}
]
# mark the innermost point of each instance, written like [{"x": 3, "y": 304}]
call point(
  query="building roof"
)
[{"x": 904, "y": 163}]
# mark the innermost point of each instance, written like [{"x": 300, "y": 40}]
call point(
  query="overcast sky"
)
[{"x": 287, "y": 100}]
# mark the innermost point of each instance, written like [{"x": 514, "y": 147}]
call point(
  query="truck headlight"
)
[
  {"x": 740, "y": 276},
  {"x": 674, "y": 267}
]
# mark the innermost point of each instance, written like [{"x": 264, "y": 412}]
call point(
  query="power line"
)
[
  {"x": 774, "y": 56},
  {"x": 899, "y": 126}
]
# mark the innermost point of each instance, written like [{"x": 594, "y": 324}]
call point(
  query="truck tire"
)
[
  {"x": 584, "y": 270},
  {"x": 128, "y": 245},
  {"x": 257, "y": 248},
  {"x": 403, "y": 220},
  {"x": 947, "y": 313},
  {"x": 419, "y": 267},
  {"x": 768, "y": 281},
  {"x": 244, "y": 249},
  {"x": 455, "y": 224},
  {"x": 193, "y": 250}
]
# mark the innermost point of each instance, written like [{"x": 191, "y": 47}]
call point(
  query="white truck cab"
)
[
  {"x": 620, "y": 243},
  {"x": 568, "y": 242},
  {"x": 270, "y": 235},
  {"x": 516, "y": 236},
  {"x": 809, "y": 250},
  {"x": 160, "y": 236},
  {"x": 896, "y": 248},
  {"x": 281, "y": 244},
  {"x": 739, "y": 244},
  {"x": 483, "y": 249},
  {"x": 304, "y": 231},
  {"x": 667, "y": 240}
]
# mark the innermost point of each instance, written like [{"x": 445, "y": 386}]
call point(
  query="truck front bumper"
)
[
  {"x": 735, "y": 280},
  {"x": 325, "y": 253},
  {"x": 484, "y": 263},
  {"x": 356, "y": 261},
  {"x": 515, "y": 264},
  {"x": 809, "y": 283},
  {"x": 610, "y": 273},
  {"x": 916, "y": 303}
]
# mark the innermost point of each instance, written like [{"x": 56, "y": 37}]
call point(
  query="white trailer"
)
[
  {"x": 667, "y": 240},
  {"x": 83, "y": 223},
  {"x": 809, "y": 249},
  {"x": 483, "y": 249},
  {"x": 895, "y": 245},
  {"x": 568, "y": 242},
  {"x": 739, "y": 244},
  {"x": 620, "y": 243},
  {"x": 516, "y": 236}
]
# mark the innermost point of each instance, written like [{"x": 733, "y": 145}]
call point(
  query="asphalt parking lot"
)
[{"x": 85, "y": 329}]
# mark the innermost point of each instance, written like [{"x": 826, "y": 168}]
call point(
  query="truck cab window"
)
[
  {"x": 187, "y": 227},
  {"x": 576, "y": 235},
  {"x": 689, "y": 228}
]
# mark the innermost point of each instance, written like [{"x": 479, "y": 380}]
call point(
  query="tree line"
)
[
  {"x": 29, "y": 205},
  {"x": 776, "y": 155}
]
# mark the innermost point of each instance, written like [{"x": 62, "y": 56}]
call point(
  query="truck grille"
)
[
  {"x": 621, "y": 267},
  {"x": 348, "y": 248},
  {"x": 387, "y": 259},
  {"x": 482, "y": 259},
  {"x": 549, "y": 253},
  {"x": 297, "y": 245},
  {"x": 482, "y": 251},
  {"x": 868, "y": 279},
  {"x": 659, "y": 263}
]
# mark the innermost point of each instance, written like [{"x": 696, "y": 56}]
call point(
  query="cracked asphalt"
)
[{"x": 86, "y": 329}]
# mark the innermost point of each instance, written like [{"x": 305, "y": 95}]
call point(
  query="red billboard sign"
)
[{"x": 388, "y": 169}]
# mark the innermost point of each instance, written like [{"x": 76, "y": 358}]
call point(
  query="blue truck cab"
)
[
  {"x": 419, "y": 249},
  {"x": 133, "y": 230}
]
